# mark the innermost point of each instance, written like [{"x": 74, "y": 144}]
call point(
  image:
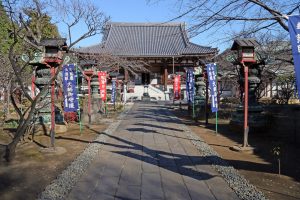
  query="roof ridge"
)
[
  {"x": 91, "y": 46},
  {"x": 200, "y": 45},
  {"x": 145, "y": 23}
]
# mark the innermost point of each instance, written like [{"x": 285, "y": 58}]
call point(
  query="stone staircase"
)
[{"x": 154, "y": 93}]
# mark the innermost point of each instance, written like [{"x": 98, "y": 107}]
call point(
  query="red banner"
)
[
  {"x": 176, "y": 87},
  {"x": 102, "y": 85}
]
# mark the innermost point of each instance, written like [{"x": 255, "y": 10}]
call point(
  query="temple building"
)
[{"x": 163, "y": 47}]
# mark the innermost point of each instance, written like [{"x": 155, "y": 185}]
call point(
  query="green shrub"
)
[{"x": 12, "y": 123}]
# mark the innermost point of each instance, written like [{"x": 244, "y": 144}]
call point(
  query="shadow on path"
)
[
  {"x": 182, "y": 164},
  {"x": 157, "y": 126}
]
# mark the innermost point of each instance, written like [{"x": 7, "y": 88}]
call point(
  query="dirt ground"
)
[
  {"x": 33, "y": 168},
  {"x": 261, "y": 167}
]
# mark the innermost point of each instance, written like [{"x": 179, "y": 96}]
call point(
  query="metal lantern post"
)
[
  {"x": 246, "y": 128},
  {"x": 245, "y": 57}
]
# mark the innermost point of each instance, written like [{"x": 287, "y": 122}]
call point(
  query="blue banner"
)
[
  {"x": 190, "y": 85},
  {"x": 211, "y": 72},
  {"x": 294, "y": 29},
  {"x": 113, "y": 91},
  {"x": 69, "y": 86}
]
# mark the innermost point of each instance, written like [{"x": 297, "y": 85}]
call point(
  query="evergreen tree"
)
[
  {"x": 5, "y": 26},
  {"x": 43, "y": 24}
]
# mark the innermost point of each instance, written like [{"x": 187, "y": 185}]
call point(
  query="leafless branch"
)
[
  {"x": 83, "y": 13},
  {"x": 252, "y": 16}
]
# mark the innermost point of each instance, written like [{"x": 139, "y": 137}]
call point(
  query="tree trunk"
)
[
  {"x": 11, "y": 147},
  {"x": 21, "y": 130},
  {"x": 8, "y": 99}
]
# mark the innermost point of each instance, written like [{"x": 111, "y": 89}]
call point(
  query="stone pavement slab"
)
[{"x": 149, "y": 156}]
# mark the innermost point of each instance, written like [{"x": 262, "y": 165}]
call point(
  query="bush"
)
[
  {"x": 12, "y": 123},
  {"x": 230, "y": 100}
]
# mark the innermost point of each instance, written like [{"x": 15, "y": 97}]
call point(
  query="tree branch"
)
[{"x": 278, "y": 16}]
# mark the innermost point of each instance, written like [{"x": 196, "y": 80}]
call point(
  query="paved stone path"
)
[{"x": 150, "y": 157}]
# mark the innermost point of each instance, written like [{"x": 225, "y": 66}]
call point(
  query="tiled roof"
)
[
  {"x": 244, "y": 42},
  {"x": 146, "y": 39},
  {"x": 53, "y": 42}
]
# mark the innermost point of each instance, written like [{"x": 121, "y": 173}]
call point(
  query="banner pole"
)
[
  {"x": 79, "y": 114},
  {"x": 115, "y": 93},
  {"x": 106, "y": 111},
  {"x": 217, "y": 98}
]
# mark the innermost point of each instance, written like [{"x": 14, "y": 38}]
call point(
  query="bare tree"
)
[
  {"x": 112, "y": 63},
  {"x": 287, "y": 88},
  {"x": 79, "y": 14},
  {"x": 226, "y": 20},
  {"x": 228, "y": 72},
  {"x": 23, "y": 33},
  {"x": 276, "y": 59},
  {"x": 236, "y": 18}
]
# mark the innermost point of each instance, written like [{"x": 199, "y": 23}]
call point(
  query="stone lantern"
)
[
  {"x": 200, "y": 94},
  {"x": 92, "y": 113},
  {"x": 46, "y": 63},
  {"x": 53, "y": 50}
]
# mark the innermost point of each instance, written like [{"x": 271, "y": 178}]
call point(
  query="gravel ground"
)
[
  {"x": 63, "y": 184},
  {"x": 237, "y": 182}
]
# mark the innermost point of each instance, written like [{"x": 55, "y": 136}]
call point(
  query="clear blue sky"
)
[{"x": 143, "y": 11}]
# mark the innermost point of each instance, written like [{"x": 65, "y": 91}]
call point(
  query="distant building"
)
[{"x": 165, "y": 47}]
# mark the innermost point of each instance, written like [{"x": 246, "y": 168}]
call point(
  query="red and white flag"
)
[
  {"x": 176, "y": 87},
  {"x": 102, "y": 85}
]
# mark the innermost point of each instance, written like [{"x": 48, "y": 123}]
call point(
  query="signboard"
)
[
  {"x": 248, "y": 53},
  {"x": 190, "y": 85},
  {"x": 113, "y": 90},
  {"x": 69, "y": 87},
  {"x": 176, "y": 87},
  {"x": 102, "y": 85},
  {"x": 294, "y": 29},
  {"x": 211, "y": 72}
]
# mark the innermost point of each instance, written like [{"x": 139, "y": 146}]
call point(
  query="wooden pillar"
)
[
  {"x": 162, "y": 75},
  {"x": 126, "y": 76},
  {"x": 165, "y": 76}
]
